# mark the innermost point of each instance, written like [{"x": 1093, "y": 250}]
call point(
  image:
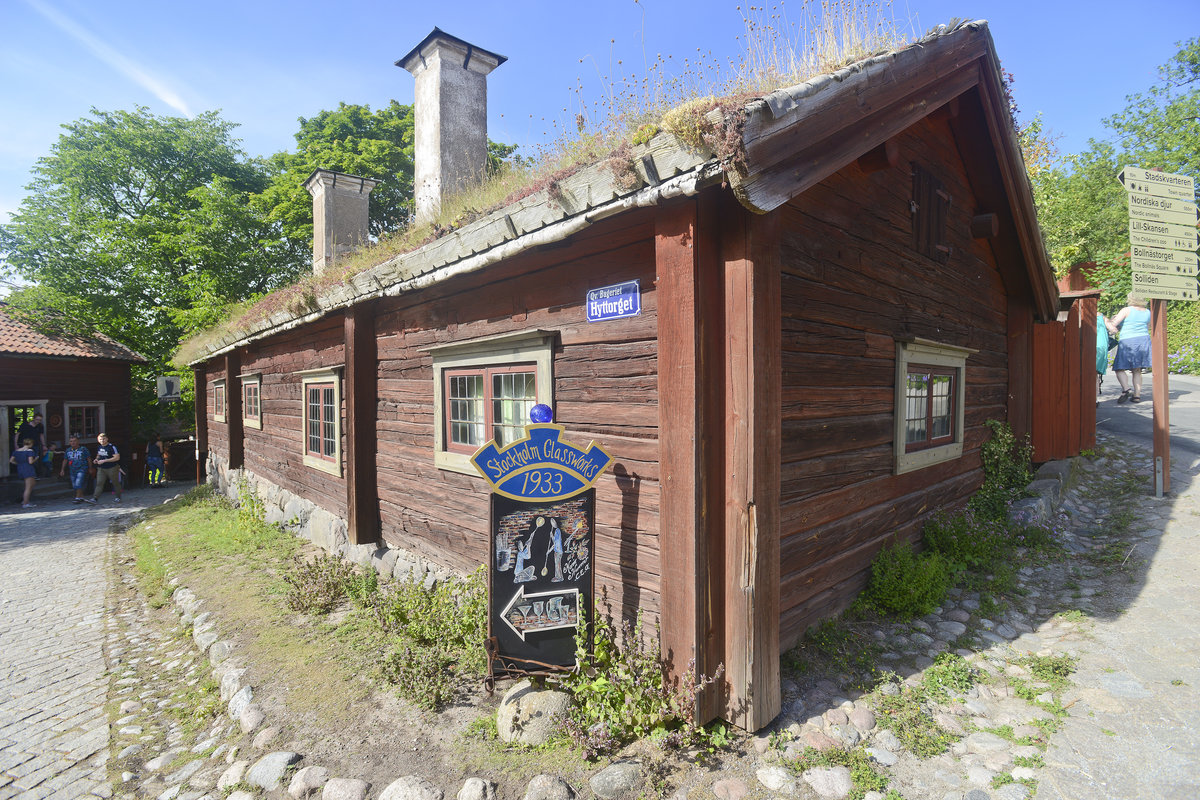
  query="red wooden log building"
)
[{"x": 829, "y": 313}]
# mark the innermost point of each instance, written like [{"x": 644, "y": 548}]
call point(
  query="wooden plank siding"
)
[
  {"x": 605, "y": 389},
  {"x": 276, "y": 452},
  {"x": 851, "y": 287},
  {"x": 1064, "y": 380},
  {"x": 71, "y": 380}
]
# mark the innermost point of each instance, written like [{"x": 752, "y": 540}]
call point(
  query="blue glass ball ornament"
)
[{"x": 541, "y": 413}]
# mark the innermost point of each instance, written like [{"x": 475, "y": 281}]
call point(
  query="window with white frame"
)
[
  {"x": 322, "y": 434},
  {"x": 219, "y": 400},
  {"x": 483, "y": 391},
  {"x": 85, "y": 420},
  {"x": 929, "y": 409},
  {"x": 251, "y": 400}
]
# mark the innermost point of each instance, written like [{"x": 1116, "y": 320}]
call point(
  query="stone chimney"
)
[
  {"x": 450, "y": 110},
  {"x": 341, "y": 213}
]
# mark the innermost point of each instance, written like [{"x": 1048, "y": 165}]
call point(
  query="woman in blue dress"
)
[
  {"x": 25, "y": 458},
  {"x": 1133, "y": 351}
]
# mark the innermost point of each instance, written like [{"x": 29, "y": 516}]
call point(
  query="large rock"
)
[
  {"x": 240, "y": 702},
  {"x": 308, "y": 781},
  {"x": 345, "y": 789},
  {"x": 531, "y": 716},
  {"x": 547, "y": 787},
  {"x": 777, "y": 779},
  {"x": 233, "y": 775},
  {"x": 267, "y": 773},
  {"x": 410, "y": 787},
  {"x": 831, "y": 782},
  {"x": 616, "y": 780},
  {"x": 477, "y": 789}
]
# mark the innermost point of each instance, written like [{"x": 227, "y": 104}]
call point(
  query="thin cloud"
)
[{"x": 112, "y": 58}]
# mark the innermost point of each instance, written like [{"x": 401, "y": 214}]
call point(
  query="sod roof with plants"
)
[{"x": 643, "y": 154}]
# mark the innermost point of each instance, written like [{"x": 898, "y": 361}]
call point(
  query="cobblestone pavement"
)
[{"x": 53, "y": 679}]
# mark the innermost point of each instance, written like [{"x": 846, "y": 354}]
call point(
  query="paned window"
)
[
  {"x": 322, "y": 434},
  {"x": 252, "y": 401},
  {"x": 484, "y": 389},
  {"x": 930, "y": 384},
  {"x": 219, "y": 401},
  {"x": 488, "y": 403},
  {"x": 929, "y": 407},
  {"x": 85, "y": 420}
]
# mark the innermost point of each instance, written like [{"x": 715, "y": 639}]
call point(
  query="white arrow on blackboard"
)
[{"x": 522, "y": 604}]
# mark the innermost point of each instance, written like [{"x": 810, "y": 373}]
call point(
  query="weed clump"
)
[
  {"x": 906, "y": 583},
  {"x": 621, "y": 692},
  {"x": 315, "y": 586}
]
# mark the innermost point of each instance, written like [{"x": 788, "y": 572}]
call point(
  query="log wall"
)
[
  {"x": 852, "y": 284},
  {"x": 605, "y": 389}
]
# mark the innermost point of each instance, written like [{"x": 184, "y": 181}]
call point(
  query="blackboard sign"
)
[
  {"x": 542, "y": 546},
  {"x": 540, "y": 578}
]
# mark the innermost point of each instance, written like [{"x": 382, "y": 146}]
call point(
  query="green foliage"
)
[
  {"x": 139, "y": 227},
  {"x": 620, "y": 692},
  {"x": 316, "y": 585},
  {"x": 351, "y": 139},
  {"x": 863, "y": 775},
  {"x": 1007, "y": 470},
  {"x": 835, "y": 645},
  {"x": 1052, "y": 670},
  {"x": 949, "y": 673},
  {"x": 906, "y": 583},
  {"x": 907, "y": 714},
  {"x": 1081, "y": 204}
]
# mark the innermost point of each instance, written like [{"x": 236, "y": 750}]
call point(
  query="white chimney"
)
[
  {"x": 450, "y": 111},
  {"x": 341, "y": 214}
]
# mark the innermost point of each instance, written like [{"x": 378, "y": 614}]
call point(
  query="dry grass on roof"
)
[{"x": 673, "y": 95}]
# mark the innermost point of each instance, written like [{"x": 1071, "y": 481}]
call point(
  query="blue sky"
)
[{"x": 264, "y": 64}]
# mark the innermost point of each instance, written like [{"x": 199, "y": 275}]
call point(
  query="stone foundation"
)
[{"x": 324, "y": 529}]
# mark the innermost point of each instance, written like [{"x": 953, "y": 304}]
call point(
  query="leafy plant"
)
[
  {"x": 316, "y": 585},
  {"x": 906, "y": 583},
  {"x": 907, "y": 714},
  {"x": 1007, "y": 470},
  {"x": 863, "y": 775},
  {"x": 949, "y": 673},
  {"x": 621, "y": 692}
]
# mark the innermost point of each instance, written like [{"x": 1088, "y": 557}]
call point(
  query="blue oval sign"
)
[{"x": 541, "y": 466}]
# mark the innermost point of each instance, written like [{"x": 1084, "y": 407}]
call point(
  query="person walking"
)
[
  {"x": 1133, "y": 351},
  {"x": 77, "y": 459},
  {"x": 155, "y": 474},
  {"x": 108, "y": 468},
  {"x": 1104, "y": 330},
  {"x": 25, "y": 458}
]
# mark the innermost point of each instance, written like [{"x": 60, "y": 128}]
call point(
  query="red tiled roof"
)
[{"x": 19, "y": 338}]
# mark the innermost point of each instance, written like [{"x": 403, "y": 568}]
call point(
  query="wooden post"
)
[
  {"x": 200, "y": 380},
  {"x": 361, "y": 386},
  {"x": 682, "y": 253},
  {"x": 233, "y": 410},
  {"x": 1087, "y": 379},
  {"x": 753, "y": 407},
  {"x": 1162, "y": 421}
]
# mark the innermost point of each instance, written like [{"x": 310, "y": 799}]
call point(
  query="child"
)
[
  {"x": 26, "y": 459},
  {"x": 155, "y": 476}
]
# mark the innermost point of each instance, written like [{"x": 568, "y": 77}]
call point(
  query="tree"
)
[
  {"x": 141, "y": 227},
  {"x": 352, "y": 139},
  {"x": 1082, "y": 206}
]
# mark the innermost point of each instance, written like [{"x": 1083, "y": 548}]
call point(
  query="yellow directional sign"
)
[
  {"x": 1166, "y": 262},
  {"x": 1142, "y": 279},
  {"x": 1162, "y": 209},
  {"x": 1158, "y": 184},
  {"x": 1168, "y": 237},
  {"x": 1166, "y": 293}
]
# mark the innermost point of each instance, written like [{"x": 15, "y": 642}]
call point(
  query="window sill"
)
[
  {"x": 455, "y": 462},
  {"x": 332, "y": 467},
  {"x": 910, "y": 462}
]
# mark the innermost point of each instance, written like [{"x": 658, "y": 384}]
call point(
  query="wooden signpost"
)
[
  {"x": 540, "y": 581},
  {"x": 1163, "y": 240}
]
